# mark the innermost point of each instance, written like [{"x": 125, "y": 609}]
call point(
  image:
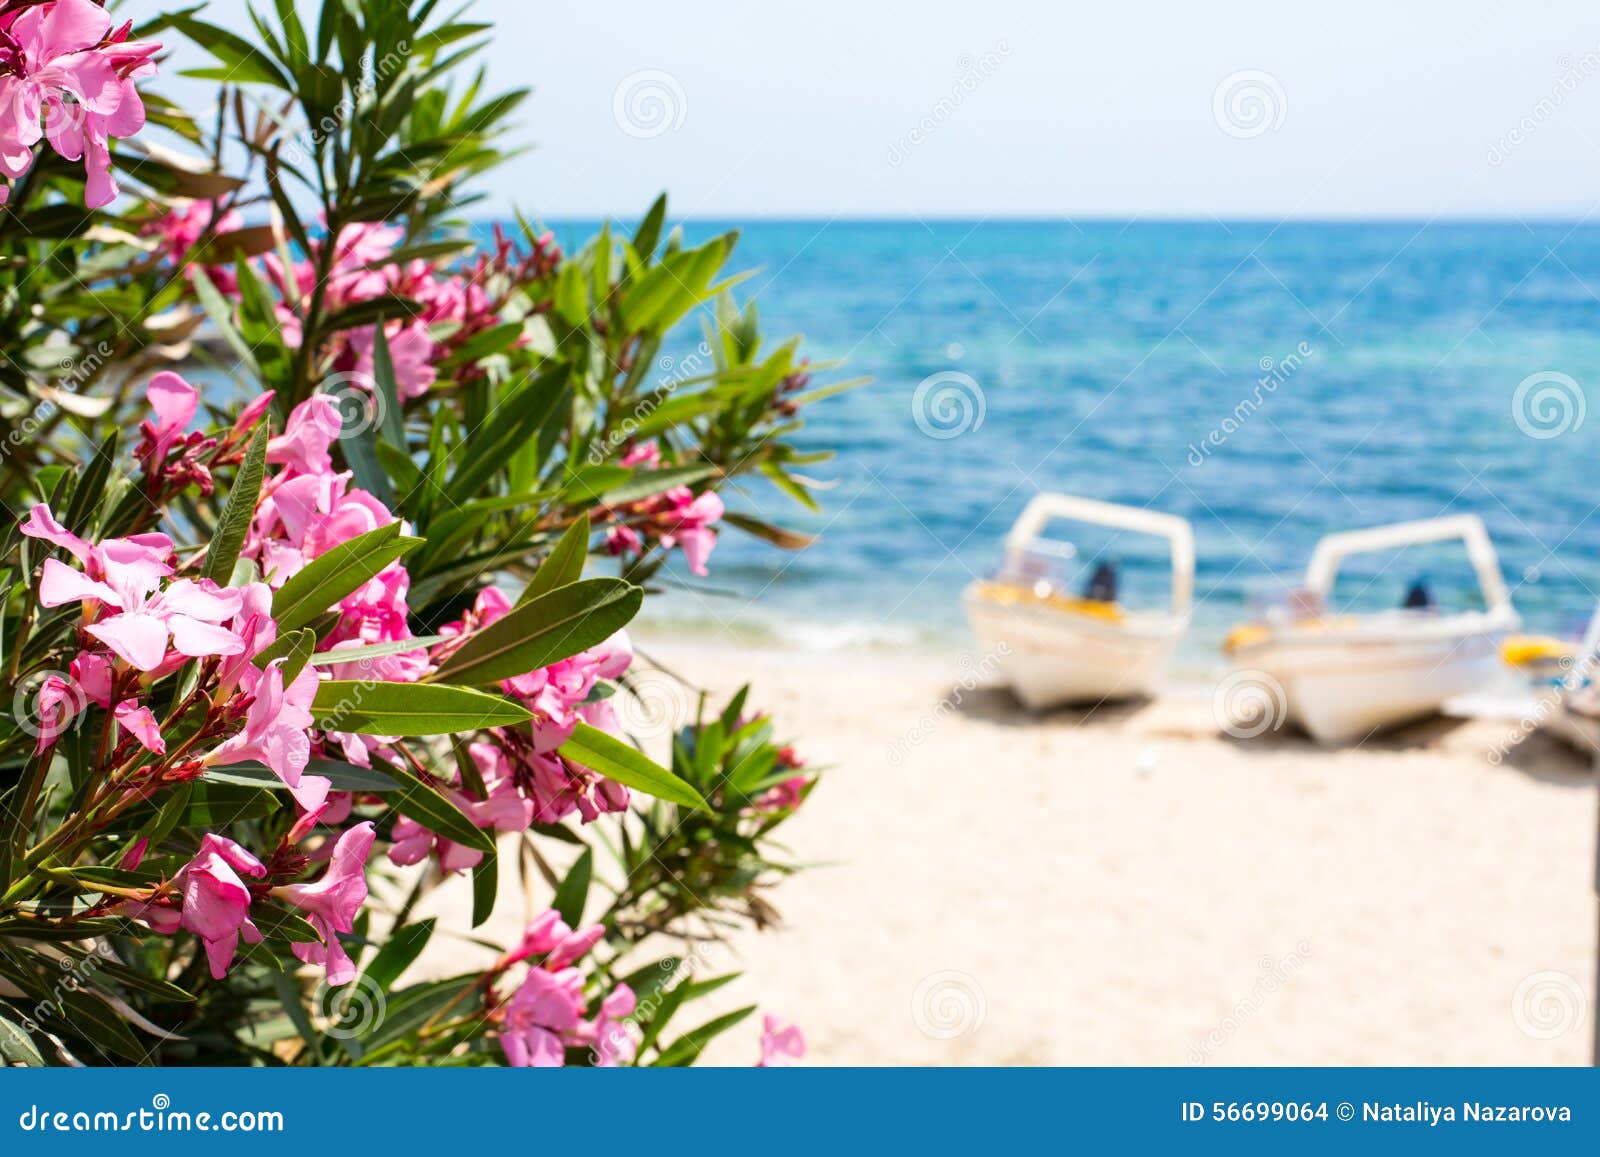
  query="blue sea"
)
[{"x": 1269, "y": 382}]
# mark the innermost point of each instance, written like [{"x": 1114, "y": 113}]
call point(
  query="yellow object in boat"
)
[
  {"x": 1245, "y": 635},
  {"x": 1249, "y": 634},
  {"x": 1011, "y": 595},
  {"x": 1526, "y": 650}
]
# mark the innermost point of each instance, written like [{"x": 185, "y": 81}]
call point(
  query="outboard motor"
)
[
  {"x": 1102, "y": 585},
  {"x": 1419, "y": 597}
]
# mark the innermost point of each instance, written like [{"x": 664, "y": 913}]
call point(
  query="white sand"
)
[{"x": 1134, "y": 888}]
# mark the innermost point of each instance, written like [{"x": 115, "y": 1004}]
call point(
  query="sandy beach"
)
[{"x": 1134, "y": 887}]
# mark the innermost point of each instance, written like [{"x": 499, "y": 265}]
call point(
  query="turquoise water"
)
[{"x": 1105, "y": 356}]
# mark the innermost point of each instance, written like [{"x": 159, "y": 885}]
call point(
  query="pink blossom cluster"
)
[
  {"x": 527, "y": 761},
  {"x": 361, "y": 269},
  {"x": 545, "y": 1016},
  {"x": 788, "y": 794},
  {"x": 140, "y": 620},
  {"x": 675, "y": 517},
  {"x": 68, "y": 78},
  {"x": 181, "y": 228},
  {"x": 210, "y": 897}
]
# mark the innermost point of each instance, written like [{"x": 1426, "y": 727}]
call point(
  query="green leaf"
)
[
  {"x": 344, "y": 776},
  {"x": 329, "y": 577},
  {"x": 485, "y": 885},
  {"x": 16, "y": 1046},
  {"x": 294, "y": 648},
  {"x": 242, "y": 62},
  {"x": 687, "y": 1048},
  {"x": 574, "y": 890},
  {"x": 90, "y": 1017},
  {"x": 776, "y": 535},
  {"x": 516, "y": 422},
  {"x": 563, "y": 565},
  {"x": 544, "y": 630},
  {"x": 282, "y": 925},
  {"x": 616, "y": 760},
  {"x": 393, "y": 418},
  {"x": 648, "y": 483},
  {"x": 340, "y": 655},
  {"x": 92, "y": 485},
  {"x": 434, "y": 810},
  {"x": 404, "y": 946},
  {"x": 234, "y": 523},
  {"x": 648, "y": 234},
  {"x": 220, "y": 312},
  {"x": 370, "y": 708}
]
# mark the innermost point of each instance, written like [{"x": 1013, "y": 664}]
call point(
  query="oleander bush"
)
[{"x": 328, "y": 511}]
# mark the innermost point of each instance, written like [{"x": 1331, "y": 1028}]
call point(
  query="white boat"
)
[
  {"x": 1054, "y": 648},
  {"x": 1342, "y": 677},
  {"x": 1563, "y": 673}
]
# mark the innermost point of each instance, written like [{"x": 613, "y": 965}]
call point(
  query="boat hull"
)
[
  {"x": 1052, "y": 659},
  {"x": 1341, "y": 690}
]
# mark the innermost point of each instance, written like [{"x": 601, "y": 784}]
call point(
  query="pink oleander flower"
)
[
  {"x": 502, "y": 809},
  {"x": 785, "y": 796},
  {"x": 216, "y": 902},
  {"x": 181, "y": 228},
  {"x": 141, "y": 723},
  {"x": 676, "y": 517},
  {"x": 275, "y": 731},
  {"x": 331, "y": 903},
  {"x": 411, "y": 351},
  {"x": 57, "y": 701},
  {"x": 128, "y": 577},
  {"x": 66, "y": 76},
  {"x": 782, "y": 1044},
  {"x": 313, "y": 427},
  {"x": 558, "y": 697},
  {"x": 542, "y": 1015},
  {"x": 614, "y": 1042}
]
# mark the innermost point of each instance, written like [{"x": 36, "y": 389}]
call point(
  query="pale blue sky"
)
[{"x": 789, "y": 108}]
